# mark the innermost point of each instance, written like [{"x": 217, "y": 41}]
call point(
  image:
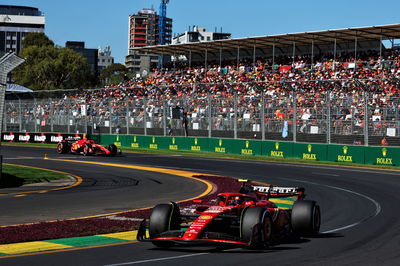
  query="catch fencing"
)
[{"x": 342, "y": 112}]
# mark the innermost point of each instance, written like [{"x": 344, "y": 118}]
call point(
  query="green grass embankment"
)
[{"x": 16, "y": 176}]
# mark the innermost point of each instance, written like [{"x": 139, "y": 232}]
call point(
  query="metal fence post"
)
[
  {"x": 20, "y": 115},
  {"x": 164, "y": 114},
  {"x": 35, "y": 114},
  {"x": 235, "y": 115},
  {"x": 51, "y": 115},
  {"x": 328, "y": 106},
  {"x": 110, "y": 109},
  {"x": 366, "y": 96},
  {"x": 4, "y": 125},
  {"x": 127, "y": 115},
  {"x": 68, "y": 115},
  {"x": 262, "y": 115},
  {"x": 294, "y": 104},
  {"x": 209, "y": 115},
  {"x": 145, "y": 115}
]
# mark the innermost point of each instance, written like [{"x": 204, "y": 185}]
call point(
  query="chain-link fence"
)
[{"x": 339, "y": 111}]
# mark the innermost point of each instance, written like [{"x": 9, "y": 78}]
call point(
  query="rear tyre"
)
[
  {"x": 256, "y": 227},
  {"x": 164, "y": 217},
  {"x": 113, "y": 149},
  {"x": 306, "y": 218},
  {"x": 62, "y": 147}
]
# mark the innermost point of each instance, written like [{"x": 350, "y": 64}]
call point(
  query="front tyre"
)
[
  {"x": 112, "y": 149},
  {"x": 164, "y": 217},
  {"x": 256, "y": 227},
  {"x": 306, "y": 218},
  {"x": 87, "y": 149}
]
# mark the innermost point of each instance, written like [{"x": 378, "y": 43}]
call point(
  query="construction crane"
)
[{"x": 162, "y": 21}]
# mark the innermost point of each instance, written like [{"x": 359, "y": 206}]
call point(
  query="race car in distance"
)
[
  {"x": 86, "y": 147},
  {"x": 255, "y": 218}
]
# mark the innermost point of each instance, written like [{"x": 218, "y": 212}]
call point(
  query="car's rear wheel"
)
[
  {"x": 113, "y": 149},
  {"x": 256, "y": 227},
  {"x": 164, "y": 217},
  {"x": 62, "y": 147},
  {"x": 306, "y": 218}
]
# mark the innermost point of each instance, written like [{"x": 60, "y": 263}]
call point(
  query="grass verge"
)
[{"x": 15, "y": 176}]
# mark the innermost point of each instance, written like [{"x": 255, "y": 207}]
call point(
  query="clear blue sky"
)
[{"x": 101, "y": 23}]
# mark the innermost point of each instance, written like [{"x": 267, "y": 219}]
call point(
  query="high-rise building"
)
[
  {"x": 144, "y": 31},
  {"x": 15, "y": 23},
  {"x": 91, "y": 55}
]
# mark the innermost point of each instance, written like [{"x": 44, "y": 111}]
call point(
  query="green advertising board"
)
[
  {"x": 245, "y": 147},
  {"x": 140, "y": 142},
  {"x": 222, "y": 145},
  {"x": 197, "y": 144},
  {"x": 346, "y": 153},
  {"x": 382, "y": 156},
  {"x": 277, "y": 149},
  {"x": 176, "y": 143},
  {"x": 386, "y": 156},
  {"x": 311, "y": 152}
]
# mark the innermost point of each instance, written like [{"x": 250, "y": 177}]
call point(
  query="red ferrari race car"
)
[
  {"x": 256, "y": 217},
  {"x": 86, "y": 147}
]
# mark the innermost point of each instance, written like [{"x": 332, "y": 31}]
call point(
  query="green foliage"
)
[
  {"x": 37, "y": 39},
  {"x": 114, "y": 74},
  {"x": 48, "y": 67}
]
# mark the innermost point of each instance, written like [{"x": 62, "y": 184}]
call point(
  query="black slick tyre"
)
[
  {"x": 164, "y": 217},
  {"x": 86, "y": 149},
  {"x": 112, "y": 149},
  {"x": 256, "y": 227},
  {"x": 62, "y": 147},
  {"x": 306, "y": 218}
]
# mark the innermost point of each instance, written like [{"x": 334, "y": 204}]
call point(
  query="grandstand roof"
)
[{"x": 384, "y": 32}]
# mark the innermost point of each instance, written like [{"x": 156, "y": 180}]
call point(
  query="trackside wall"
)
[{"x": 388, "y": 156}]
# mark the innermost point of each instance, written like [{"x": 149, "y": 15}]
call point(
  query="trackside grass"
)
[{"x": 15, "y": 176}]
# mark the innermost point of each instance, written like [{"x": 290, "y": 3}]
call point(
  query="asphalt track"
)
[{"x": 360, "y": 210}]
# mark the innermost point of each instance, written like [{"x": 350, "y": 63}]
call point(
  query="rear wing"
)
[
  {"x": 71, "y": 139},
  {"x": 271, "y": 191},
  {"x": 278, "y": 192}
]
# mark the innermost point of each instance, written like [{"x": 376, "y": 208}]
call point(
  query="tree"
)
[
  {"x": 48, "y": 67},
  {"x": 36, "y": 39},
  {"x": 114, "y": 74}
]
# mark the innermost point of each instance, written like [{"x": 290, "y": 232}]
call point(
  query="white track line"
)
[
  {"x": 159, "y": 259},
  {"x": 378, "y": 207}
]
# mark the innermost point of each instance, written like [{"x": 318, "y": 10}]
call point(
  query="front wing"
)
[{"x": 213, "y": 239}]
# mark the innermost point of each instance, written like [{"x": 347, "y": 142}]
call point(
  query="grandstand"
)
[{"x": 335, "y": 86}]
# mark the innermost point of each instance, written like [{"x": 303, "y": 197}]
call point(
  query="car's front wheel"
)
[
  {"x": 164, "y": 217},
  {"x": 256, "y": 227},
  {"x": 87, "y": 149}
]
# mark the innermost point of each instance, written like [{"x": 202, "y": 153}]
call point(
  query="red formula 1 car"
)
[
  {"x": 255, "y": 217},
  {"x": 86, "y": 147}
]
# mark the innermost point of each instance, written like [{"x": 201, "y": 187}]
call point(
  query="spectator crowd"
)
[{"x": 341, "y": 83}]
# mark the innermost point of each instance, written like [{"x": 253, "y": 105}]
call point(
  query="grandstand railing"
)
[{"x": 319, "y": 111}]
